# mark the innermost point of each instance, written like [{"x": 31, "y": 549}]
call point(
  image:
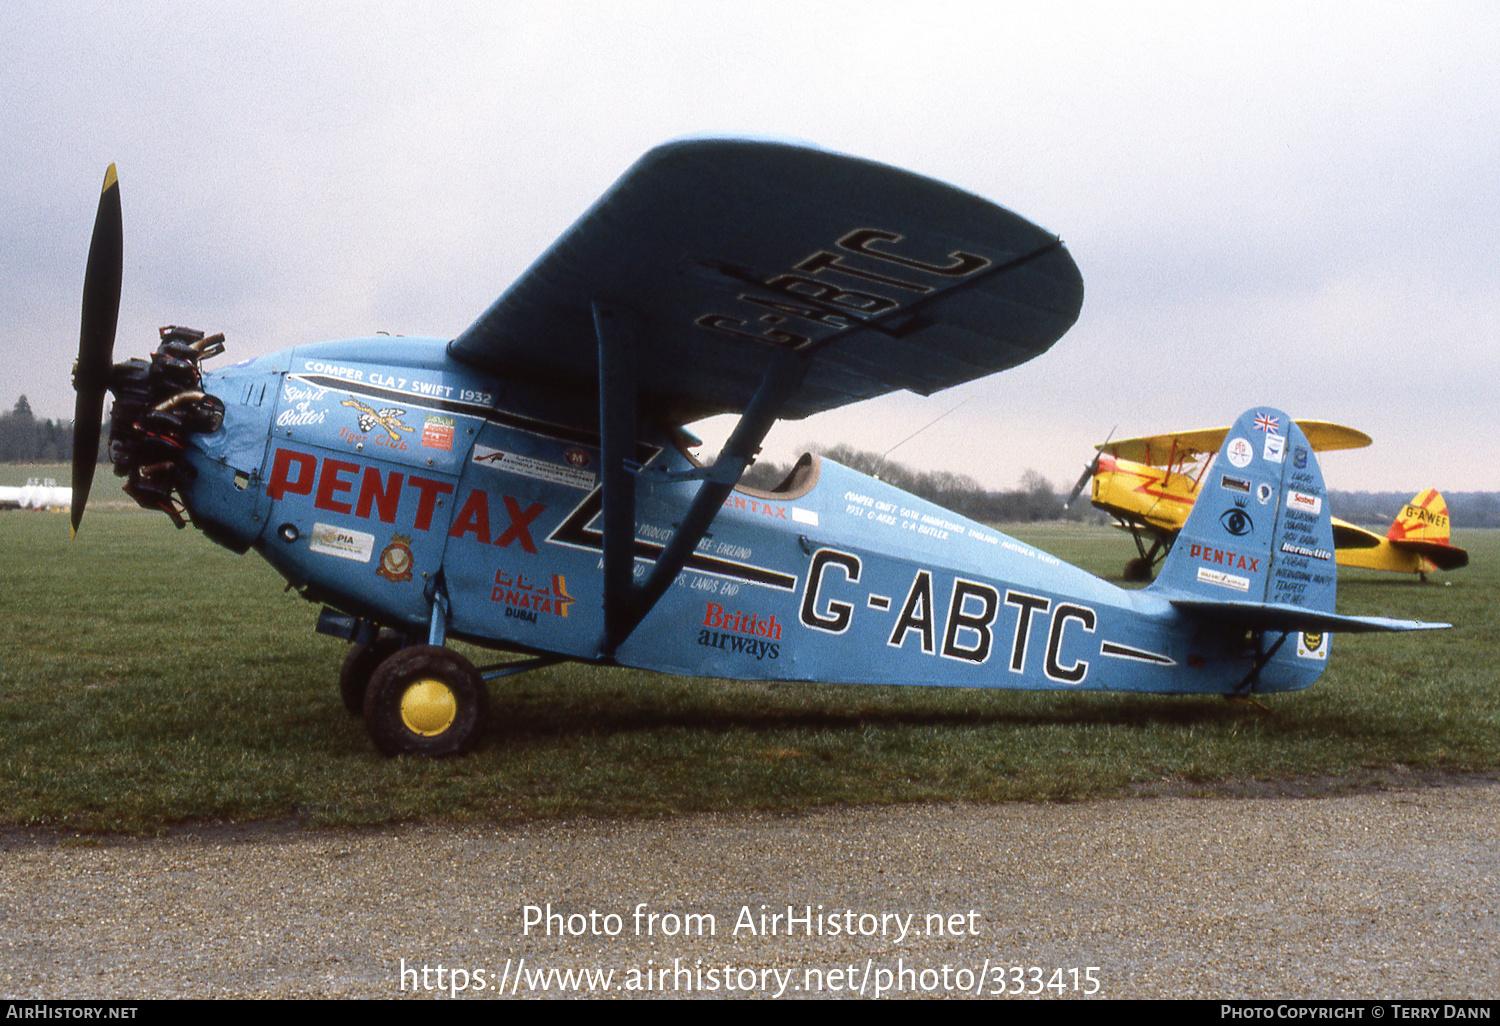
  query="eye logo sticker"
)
[{"x": 1237, "y": 522}]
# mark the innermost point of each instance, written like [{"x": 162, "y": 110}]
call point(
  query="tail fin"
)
[
  {"x": 1423, "y": 526},
  {"x": 1257, "y": 548},
  {"x": 1425, "y": 518}
]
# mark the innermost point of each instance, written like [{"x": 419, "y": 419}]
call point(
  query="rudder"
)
[
  {"x": 1422, "y": 527},
  {"x": 1424, "y": 518}
]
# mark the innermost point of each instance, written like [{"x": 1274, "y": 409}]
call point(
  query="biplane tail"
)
[
  {"x": 1257, "y": 549},
  {"x": 1422, "y": 526}
]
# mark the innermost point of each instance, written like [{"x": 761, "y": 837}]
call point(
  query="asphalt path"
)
[{"x": 1388, "y": 895}]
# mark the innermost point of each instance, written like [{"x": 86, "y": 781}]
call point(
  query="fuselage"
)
[
  {"x": 379, "y": 476},
  {"x": 1385, "y": 556},
  {"x": 1157, "y": 497}
]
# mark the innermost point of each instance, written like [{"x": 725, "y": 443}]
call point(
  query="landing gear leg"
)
[{"x": 1140, "y": 568}]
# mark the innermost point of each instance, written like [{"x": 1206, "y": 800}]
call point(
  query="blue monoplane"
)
[{"x": 528, "y": 487}]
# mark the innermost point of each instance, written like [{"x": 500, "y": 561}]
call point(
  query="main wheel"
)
[
  {"x": 426, "y": 700},
  {"x": 360, "y": 665}
]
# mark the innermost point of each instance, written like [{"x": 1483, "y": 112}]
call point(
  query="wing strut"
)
[
  {"x": 617, "y": 329},
  {"x": 626, "y": 603}
]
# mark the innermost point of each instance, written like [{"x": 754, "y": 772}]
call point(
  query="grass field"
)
[{"x": 153, "y": 679}]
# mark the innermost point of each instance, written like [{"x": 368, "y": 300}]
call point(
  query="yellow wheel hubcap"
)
[{"x": 428, "y": 708}]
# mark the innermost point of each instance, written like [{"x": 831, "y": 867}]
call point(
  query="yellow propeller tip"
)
[{"x": 111, "y": 179}]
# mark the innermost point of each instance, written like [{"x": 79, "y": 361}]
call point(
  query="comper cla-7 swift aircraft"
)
[{"x": 526, "y": 486}]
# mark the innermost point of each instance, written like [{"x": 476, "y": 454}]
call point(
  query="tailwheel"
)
[
  {"x": 426, "y": 700},
  {"x": 360, "y": 666}
]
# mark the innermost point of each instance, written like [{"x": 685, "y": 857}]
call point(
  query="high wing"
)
[
  {"x": 771, "y": 280},
  {"x": 724, "y": 252},
  {"x": 1352, "y": 536},
  {"x": 1182, "y": 446}
]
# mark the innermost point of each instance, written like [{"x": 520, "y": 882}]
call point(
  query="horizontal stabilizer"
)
[
  {"x": 1266, "y": 616},
  {"x": 1439, "y": 554}
]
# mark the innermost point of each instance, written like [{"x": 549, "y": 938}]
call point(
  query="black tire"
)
[
  {"x": 360, "y": 665},
  {"x": 1138, "y": 570},
  {"x": 426, "y": 700}
]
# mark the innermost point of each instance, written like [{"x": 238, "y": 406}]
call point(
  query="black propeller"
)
[
  {"x": 1089, "y": 470},
  {"x": 96, "y": 339}
]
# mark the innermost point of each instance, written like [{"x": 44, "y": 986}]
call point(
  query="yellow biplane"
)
[{"x": 1150, "y": 484}]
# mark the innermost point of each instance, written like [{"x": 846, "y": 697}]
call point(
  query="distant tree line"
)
[
  {"x": 1376, "y": 510},
  {"x": 1034, "y": 500},
  {"x": 25, "y": 439}
]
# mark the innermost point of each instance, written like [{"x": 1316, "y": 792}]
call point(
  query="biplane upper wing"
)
[
  {"x": 1175, "y": 447},
  {"x": 727, "y": 251}
]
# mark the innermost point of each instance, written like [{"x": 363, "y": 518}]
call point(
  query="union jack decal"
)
[{"x": 1270, "y": 425}]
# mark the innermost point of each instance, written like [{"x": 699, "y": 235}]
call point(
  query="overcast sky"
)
[{"x": 1285, "y": 204}]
